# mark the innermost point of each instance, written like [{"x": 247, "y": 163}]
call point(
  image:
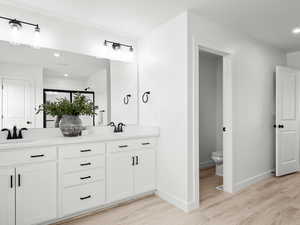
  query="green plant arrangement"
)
[{"x": 67, "y": 113}]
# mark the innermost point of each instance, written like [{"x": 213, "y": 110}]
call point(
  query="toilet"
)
[{"x": 217, "y": 157}]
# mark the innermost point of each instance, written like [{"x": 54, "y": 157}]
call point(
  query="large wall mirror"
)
[{"x": 30, "y": 77}]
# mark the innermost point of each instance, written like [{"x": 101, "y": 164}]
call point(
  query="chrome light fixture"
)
[
  {"x": 117, "y": 46},
  {"x": 17, "y": 25}
]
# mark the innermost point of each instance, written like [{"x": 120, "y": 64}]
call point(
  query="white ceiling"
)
[
  {"x": 75, "y": 65},
  {"x": 268, "y": 20}
]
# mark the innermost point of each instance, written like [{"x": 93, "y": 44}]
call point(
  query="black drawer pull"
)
[
  {"x": 85, "y": 164},
  {"x": 11, "y": 181},
  {"x": 83, "y": 198},
  {"x": 19, "y": 180},
  {"x": 84, "y": 178},
  {"x": 146, "y": 143},
  {"x": 123, "y": 146},
  {"x": 86, "y": 150},
  {"x": 37, "y": 156}
]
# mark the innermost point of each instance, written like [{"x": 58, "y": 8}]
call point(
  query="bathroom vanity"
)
[{"x": 45, "y": 180}]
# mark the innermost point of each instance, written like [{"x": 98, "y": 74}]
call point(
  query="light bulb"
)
[
  {"x": 15, "y": 35},
  {"x": 37, "y": 38}
]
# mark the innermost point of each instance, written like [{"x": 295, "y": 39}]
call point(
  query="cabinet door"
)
[
  {"x": 7, "y": 197},
  {"x": 36, "y": 193},
  {"x": 144, "y": 171},
  {"x": 119, "y": 175}
]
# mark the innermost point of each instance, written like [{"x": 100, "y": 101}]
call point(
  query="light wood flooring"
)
[{"x": 274, "y": 201}]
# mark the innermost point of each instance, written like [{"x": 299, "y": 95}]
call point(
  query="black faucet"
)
[
  {"x": 14, "y": 135},
  {"x": 112, "y": 124},
  {"x": 120, "y": 127},
  {"x": 8, "y": 133},
  {"x": 15, "y": 131},
  {"x": 20, "y": 136},
  {"x": 117, "y": 129}
]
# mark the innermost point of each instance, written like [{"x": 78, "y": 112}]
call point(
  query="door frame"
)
[{"x": 228, "y": 153}]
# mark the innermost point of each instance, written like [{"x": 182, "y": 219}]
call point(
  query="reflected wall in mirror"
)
[{"x": 31, "y": 77}]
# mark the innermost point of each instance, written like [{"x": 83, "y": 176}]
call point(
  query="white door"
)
[
  {"x": 119, "y": 175},
  {"x": 18, "y": 104},
  {"x": 287, "y": 127},
  {"x": 144, "y": 171},
  {"x": 7, "y": 197},
  {"x": 36, "y": 193}
]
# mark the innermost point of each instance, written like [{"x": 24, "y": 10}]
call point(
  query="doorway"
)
[
  {"x": 227, "y": 135},
  {"x": 210, "y": 124}
]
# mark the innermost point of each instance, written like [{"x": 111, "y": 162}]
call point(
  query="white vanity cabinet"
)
[
  {"x": 130, "y": 168},
  {"x": 28, "y": 189},
  {"x": 83, "y": 176},
  {"x": 43, "y": 185},
  {"x": 7, "y": 196},
  {"x": 36, "y": 193}
]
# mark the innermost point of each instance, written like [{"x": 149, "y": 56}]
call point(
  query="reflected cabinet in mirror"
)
[{"x": 33, "y": 77}]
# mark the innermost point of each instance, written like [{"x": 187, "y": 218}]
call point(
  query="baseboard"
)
[
  {"x": 252, "y": 180},
  {"x": 206, "y": 164},
  {"x": 179, "y": 203}
]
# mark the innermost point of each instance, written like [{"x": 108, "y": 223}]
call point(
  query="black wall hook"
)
[
  {"x": 126, "y": 99},
  {"x": 145, "y": 97}
]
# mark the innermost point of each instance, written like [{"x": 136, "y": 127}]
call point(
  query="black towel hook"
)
[
  {"x": 126, "y": 99},
  {"x": 145, "y": 97}
]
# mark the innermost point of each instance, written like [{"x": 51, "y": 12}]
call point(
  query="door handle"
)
[
  {"x": 137, "y": 160},
  {"x": 29, "y": 122},
  {"x": 132, "y": 160},
  {"x": 280, "y": 126}
]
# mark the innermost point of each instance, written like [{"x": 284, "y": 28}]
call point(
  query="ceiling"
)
[
  {"x": 270, "y": 21},
  {"x": 75, "y": 65}
]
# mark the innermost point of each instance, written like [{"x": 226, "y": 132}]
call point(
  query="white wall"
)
[
  {"x": 34, "y": 74},
  {"x": 210, "y": 104},
  {"x": 123, "y": 81},
  {"x": 163, "y": 72},
  {"x": 166, "y": 69},
  {"x": 64, "y": 83},
  {"x": 68, "y": 36},
  {"x": 293, "y": 59},
  {"x": 253, "y": 66}
]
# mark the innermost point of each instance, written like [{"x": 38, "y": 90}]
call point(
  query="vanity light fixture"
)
[
  {"x": 117, "y": 46},
  {"x": 66, "y": 75},
  {"x": 17, "y": 25}
]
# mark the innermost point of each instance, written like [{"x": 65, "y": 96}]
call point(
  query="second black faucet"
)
[{"x": 118, "y": 128}]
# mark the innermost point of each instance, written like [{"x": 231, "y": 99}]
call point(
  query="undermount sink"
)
[{"x": 15, "y": 141}]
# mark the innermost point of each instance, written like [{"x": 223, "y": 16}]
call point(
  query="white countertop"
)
[{"x": 95, "y": 135}]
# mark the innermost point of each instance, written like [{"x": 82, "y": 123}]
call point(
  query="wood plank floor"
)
[{"x": 274, "y": 201}]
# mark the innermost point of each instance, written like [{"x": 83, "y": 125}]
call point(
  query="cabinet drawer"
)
[
  {"x": 83, "y": 197},
  {"x": 146, "y": 143},
  {"x": 84, "y": 177},
  {"x": 81, "y": 150},
  {"x": 28, "y": 156},
  {"x": 73, "y": 165},
  {"x": 120, "y": 146}
]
